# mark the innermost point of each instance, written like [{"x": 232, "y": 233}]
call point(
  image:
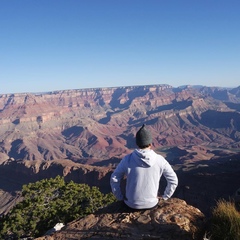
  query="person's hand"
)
[{"x": 160, "y": 198}]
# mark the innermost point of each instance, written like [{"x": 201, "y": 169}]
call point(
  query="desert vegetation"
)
[
  {"x": 225, "y": 222},
  {"x": 48, "y": 202}
]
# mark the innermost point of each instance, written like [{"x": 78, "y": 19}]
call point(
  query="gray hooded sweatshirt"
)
[{"x": 143, "y": 169}]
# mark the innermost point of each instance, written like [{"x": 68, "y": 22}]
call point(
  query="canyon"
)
[{"x": 82, "y": 134}]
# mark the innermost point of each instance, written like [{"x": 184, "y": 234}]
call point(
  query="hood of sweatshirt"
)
[{"x": 144, "y": 157}]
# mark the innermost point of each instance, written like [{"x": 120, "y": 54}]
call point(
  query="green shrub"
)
[
  {"x": 225, "y": 224},
  {"x": 48, "y": 202}
]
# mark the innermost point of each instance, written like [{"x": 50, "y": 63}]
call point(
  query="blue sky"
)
[{"x": 48, "y": 45}]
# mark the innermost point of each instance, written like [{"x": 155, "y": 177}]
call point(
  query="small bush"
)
[
  {"x": 225, "y": 224},
  {"x": 48, "y": 202}
]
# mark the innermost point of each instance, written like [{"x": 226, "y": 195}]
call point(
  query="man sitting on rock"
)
[{"x": 143, "y": 169}]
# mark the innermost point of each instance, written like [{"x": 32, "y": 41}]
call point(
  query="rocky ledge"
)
[{"x": 172, "y": 219}]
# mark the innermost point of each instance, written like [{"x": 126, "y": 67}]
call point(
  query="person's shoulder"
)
[
  {"x": 157, "y": 154},
  {"x": 160, "y": 158},
  {"x": 126, "y": 157}
]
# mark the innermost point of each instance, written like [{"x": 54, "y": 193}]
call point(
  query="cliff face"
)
[
  {"x": 93, "y": 125},
  {"x": 66, "y": 124},
  {"x": 173, "y": 219}
]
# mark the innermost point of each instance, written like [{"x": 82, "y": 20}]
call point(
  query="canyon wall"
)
[{"x": 93, "y": 125}]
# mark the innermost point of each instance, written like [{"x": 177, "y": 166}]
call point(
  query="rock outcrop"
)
[{"x": 172, "y": 219}]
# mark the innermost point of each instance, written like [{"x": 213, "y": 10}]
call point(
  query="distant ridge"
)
[{"x": 87, "y": 89}]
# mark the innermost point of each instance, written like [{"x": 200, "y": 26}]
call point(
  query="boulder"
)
[{"x": 171, "y": 219}]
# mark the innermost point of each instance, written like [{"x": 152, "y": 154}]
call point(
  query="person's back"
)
[{"x": 143, "y": 168}]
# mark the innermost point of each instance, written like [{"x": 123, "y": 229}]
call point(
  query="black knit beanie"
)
[{"x": 143, "y": 137}]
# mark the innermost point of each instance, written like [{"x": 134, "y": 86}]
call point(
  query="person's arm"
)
[
  {"x": 116, "y": 178},
  {"x": 172, "y": 181}
]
